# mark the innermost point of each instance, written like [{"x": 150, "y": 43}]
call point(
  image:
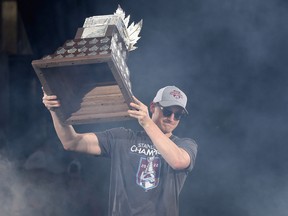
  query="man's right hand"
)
[{"x": 50, "y": 101}]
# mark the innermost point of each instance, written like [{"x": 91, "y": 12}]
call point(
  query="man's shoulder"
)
[
  {"x": 120, "y": 131},
  {"x": 182, "y": 139}
]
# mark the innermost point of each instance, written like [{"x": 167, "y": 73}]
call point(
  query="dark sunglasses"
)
[{"x": 167, "y": 112}]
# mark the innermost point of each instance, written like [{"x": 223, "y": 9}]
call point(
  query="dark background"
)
[{"x": 230, "y": 57}]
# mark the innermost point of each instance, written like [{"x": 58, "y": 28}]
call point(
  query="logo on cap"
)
[{"x": 176, "y": 94}]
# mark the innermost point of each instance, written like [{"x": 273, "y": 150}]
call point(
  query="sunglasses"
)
[{"x": 167, "y": 113}]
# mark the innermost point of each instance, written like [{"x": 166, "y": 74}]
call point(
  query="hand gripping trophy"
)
[{"x": 89, "y": 73}]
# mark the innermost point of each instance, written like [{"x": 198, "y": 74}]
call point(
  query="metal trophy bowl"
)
[{"x": 89, "y": 73}]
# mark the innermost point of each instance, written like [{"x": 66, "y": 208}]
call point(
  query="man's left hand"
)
[{"x": 140, "y": 112}]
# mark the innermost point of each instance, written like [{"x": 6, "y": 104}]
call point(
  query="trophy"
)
[{"x": 89, "y": 73}]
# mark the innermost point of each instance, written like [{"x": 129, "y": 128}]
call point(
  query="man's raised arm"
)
[{"x": 70, "y": 139}]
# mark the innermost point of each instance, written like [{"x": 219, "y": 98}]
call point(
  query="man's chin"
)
[{"x": 167, "y": 128}]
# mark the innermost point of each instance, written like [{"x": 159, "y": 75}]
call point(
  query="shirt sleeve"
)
[
  {"x": 190, "y": 146},
  {"x": 107, "y": 139}
]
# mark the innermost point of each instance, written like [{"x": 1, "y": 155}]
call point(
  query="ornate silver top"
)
[{"x": 96, "y": 26}]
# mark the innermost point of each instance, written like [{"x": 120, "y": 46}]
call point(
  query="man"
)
[{"x": 148, "y": 168}]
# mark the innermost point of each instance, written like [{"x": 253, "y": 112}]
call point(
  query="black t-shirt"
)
[{"x": 141, "y": 181}]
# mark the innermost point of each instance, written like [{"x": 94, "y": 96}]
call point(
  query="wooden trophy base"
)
[{"x": 90, "y": 77}]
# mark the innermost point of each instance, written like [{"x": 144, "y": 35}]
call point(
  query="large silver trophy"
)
[{"x": 89, "y": 73}]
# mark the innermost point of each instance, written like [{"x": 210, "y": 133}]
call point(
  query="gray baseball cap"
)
[{"x": 171, "y": 96}]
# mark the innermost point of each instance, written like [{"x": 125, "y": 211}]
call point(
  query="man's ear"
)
[{"x": 152, "y": 107}]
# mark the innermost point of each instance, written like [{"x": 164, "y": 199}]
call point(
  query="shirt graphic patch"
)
[
  {"x": 144, "y": 149},
  {"x": 148, "y": 172}
]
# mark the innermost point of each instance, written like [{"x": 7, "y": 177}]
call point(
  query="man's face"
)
[{"x": 166, "y": 123}]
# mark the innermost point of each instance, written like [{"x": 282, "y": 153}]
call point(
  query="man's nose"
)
[{"x": 171, "y": 117}]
